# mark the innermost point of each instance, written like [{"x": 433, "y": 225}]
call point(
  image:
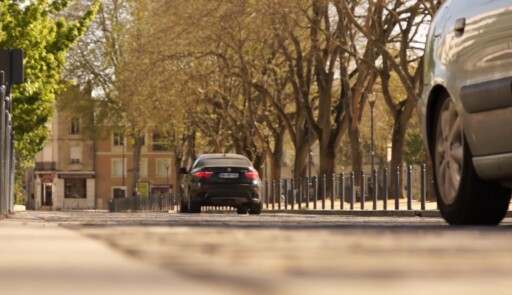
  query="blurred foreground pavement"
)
[
  {"x": 37, "y": 257},
  {"x": 157, "y": 253}
]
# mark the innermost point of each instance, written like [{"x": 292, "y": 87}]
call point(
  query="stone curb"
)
[
  {"x": 367, "y": 213},
  {"x": 363, "y": 213}
]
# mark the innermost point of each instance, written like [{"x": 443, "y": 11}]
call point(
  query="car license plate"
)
[{"x": 228, "y": 175}]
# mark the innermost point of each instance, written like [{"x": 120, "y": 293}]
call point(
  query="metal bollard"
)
[
  {"x": 266, "y": 193},
  {"x": 397, "y": 188},
  {"x": 286, "y": 195},
  {"x": 352, "y": 190},
  {"x": 363, "y": 189},
  {"x": 308, "y": 185},
  {"x": 292, "y": 186},
  {"x": 409, "y": 188},
  {"x": 342, "y": 188},
  {"x": 385, "y": 197},
  {"x": 324, "y": 190},
  {"x": 315, "y": 193},
  {"x": 300, "y": 193},
  {"x": 423, "y": 185},
  {"x": 273, "y": 194},
  {"x": 333, "y": 190},
  {"x": 279, "y": 193},
  {"x": 374, "y": 188}
]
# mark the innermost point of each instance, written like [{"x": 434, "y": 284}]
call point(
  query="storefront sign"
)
[
  {"x": 46, "y": 177},
  {"x": 143, "y": 187}
]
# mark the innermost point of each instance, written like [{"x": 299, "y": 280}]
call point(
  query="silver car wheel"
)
[{"x": 449, "y": 152}]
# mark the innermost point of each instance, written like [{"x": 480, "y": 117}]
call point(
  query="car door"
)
[
  {"x": 478, "y": 54},
  {"x": 479, "y": 40}
]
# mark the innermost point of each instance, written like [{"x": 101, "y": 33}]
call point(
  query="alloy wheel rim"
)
[{"x": 449, "y": 152}]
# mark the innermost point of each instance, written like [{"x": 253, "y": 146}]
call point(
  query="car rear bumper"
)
[{"x": 227, "y": 195}]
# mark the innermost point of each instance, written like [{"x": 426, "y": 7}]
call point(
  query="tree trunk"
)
[
  {"x": 402, "y": 117},
  {"x": 357, "y": 152},
  {"x": 178, "y": 142},
  {"x": 176, "y": 172},
  {"x": 259, "y": 161},
  {"x": 137, "y": 148},
  {"x": 275, "y": 161},
  {"x": 275, "y": 174},
  {"x": 301, "y": 160},
  {"x": 396, "y": 164},
  {"x": 327, "y": 165}
]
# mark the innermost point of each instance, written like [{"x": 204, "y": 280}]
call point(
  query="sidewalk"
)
[
  {"x": 41, "y": 258},
  {"x": 429, "y": 211}
]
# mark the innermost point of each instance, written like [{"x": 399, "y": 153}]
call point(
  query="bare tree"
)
[{"x": 396, "y": 38}]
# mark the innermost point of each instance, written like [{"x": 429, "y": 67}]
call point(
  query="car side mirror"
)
[{"x": 183, "y": 170}]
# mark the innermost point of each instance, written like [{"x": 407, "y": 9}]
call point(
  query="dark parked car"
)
[
  {"x": 221, "y": 180},
  {"x": 466, "y": 109}
]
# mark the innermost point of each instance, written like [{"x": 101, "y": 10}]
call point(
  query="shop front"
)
[{"x": 75, "y": 191}]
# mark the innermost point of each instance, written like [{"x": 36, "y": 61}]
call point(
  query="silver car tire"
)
[{"x": 463, "y": 197}]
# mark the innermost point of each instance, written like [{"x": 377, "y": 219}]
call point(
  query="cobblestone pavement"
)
[{"x": 309, "y": 254}]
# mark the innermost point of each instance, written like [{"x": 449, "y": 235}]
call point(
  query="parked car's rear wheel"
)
[
  {"x": 463, "y": 197},
  {"x": 255, "y": 209},
  {"x": 242, "y": 209},
  {"x": 194, "y": 207}
]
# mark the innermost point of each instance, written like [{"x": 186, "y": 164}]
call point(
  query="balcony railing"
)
[{"x": 46, "y": 166}]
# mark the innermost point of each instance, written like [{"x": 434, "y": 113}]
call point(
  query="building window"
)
[
  {"x": 118, "y": 192},
  {"x": 118, "y": 167},
  {"x": 158, "y": 143},
  {"x": 75, "y": 188},
  {"x": 144, "y": 167},
  {"x": 75, "y": 154},
  {"x": 162, "y": 168},
  {"x": 74, "y": 127},
  {"x": 118, "y": 139}
]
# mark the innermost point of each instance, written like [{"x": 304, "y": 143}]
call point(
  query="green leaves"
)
[{"x": 45, "y": 36}]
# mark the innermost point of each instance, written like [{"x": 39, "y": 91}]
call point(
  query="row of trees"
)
[{"x": 248, "y": 76}]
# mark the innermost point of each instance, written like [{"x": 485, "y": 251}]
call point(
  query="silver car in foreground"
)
[{"x": 466, "y": 109}]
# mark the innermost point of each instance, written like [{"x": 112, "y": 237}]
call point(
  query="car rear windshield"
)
[{"x": 227, "y": 162}]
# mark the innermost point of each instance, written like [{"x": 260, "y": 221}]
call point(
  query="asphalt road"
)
[{"x": 308, "y": 254}]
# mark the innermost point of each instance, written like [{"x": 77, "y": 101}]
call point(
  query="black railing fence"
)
[
  {"x": 163, "y": 202},
  {"x": 350, "y": 191}
]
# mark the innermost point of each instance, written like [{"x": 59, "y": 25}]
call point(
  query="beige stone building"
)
[
  {"x": 64, "y": 176},
  {"x": 114, "y": 168},
  {"x": 72, "y": 172}
]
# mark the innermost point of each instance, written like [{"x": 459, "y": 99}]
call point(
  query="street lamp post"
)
[{"x": 371, "y": 100}]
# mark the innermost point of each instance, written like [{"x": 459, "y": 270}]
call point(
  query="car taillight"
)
[
  {"x": 252, "y": 174},
  {"x": 203, "y": 174}
]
